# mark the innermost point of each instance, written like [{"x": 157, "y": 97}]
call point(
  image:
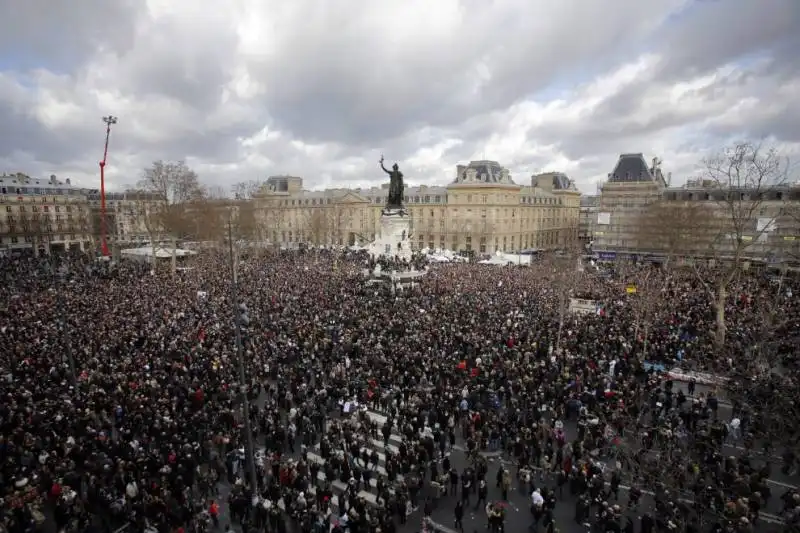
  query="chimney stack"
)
[
  {"x": 68, "y": 182},
  {"x": 53, "y": 180}
]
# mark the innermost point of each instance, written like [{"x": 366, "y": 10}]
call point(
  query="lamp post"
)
[
  {"x": 109, "y": 120},
  {"x": 241, "y": 319}
]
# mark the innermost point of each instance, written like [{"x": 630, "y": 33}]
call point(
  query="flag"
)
[{"x": 462, "y": 365}]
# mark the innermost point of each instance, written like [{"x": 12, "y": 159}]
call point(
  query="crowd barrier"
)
[
  {"x": 702, "y": 378},
  {"x": 582, "y": 306}
]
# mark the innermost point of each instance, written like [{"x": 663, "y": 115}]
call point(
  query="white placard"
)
[
  {"x": 765, "y": 225},
  {"x": 603, "y": 219}
]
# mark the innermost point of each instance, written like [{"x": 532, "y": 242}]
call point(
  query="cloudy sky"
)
[{"x": 245, "y": 89}]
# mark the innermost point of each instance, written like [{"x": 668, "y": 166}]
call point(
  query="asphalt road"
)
[{"x": 518, "y": 515}]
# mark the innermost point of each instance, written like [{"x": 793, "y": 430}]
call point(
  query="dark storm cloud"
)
[
  {"x": 180, "y": 64},
  {"x": 692, "y": 50},
  {"x": 355, "y": 81},
  {"x": 22, "y": 132},
  {"x": 718, "y": 32},
  {"x": 62, "y": 35},
  {"x": 332, "y": 87}
]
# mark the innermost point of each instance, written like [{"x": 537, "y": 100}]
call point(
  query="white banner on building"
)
[
  {"x": 603, "y": 219},
  {"x": 765, "y": 225}
]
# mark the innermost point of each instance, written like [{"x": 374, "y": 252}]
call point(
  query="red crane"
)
[{"x": 109, "y": 120}]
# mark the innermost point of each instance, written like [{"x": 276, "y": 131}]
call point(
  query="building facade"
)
[
  {"x": 624, "y": 197},
  {"x": 41, "y": 215},
  {"x": 126, "y": 217},
  {"x": 482, "y": 211},
  {"x": 587, "y": 216},
  {"x": 640, "y": 215}
]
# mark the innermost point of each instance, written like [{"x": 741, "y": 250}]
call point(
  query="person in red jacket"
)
[{"x": 213, "y": 510}]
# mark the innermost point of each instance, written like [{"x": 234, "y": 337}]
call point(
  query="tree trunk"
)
[
  {"x": 153, "y": 258},
  {"x": 719, "y": 334},
  {"x": 174, "y": 254},
  {"x": 644, "y": 343}
]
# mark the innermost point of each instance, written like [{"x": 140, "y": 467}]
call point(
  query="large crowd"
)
[{"x": 122, "y": 404}]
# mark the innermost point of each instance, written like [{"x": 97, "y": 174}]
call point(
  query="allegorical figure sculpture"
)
[{"x": 395, "y": 199}]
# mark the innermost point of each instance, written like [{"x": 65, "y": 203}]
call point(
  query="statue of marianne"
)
[{"x": 396, "y": 189}]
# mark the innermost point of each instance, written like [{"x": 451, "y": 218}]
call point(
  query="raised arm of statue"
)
[{"x": 383, "y": 167}]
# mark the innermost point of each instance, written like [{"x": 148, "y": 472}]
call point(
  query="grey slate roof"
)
[
  {"x": 485, "y": 172},
  {"x": 631, "y": 168}
]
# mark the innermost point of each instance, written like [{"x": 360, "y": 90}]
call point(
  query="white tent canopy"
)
[
  {"x": 501, "y": 258},
  {"x": 158, "y": 251}
]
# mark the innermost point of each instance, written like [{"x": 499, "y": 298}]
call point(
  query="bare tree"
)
[
  {"x": 643, "y": 287},
  {"x": 673, "y": 228},
  {"x": 269, "y": 219},
  {"x": 246, "y": 190},
  {"x": 215, "y": 192},
  {"x": 247, "y": 220},
  {"x": 34, "y": 228},
  {"x": 318, "y": 225},
  {"x": 742, "y": 178},
  {"x": 174, "y": 185},
  {"x": 145, "y": 214},
  {"x": 563, "y": 273}
]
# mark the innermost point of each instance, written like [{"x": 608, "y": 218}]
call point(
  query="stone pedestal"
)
[{"x": 394, "y": 239}]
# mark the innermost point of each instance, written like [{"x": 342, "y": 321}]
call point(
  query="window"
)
[
  {"x": 437, "y": 199},
  {"x": 14, "y": 240},
  {"x": 8, "y": 209}
]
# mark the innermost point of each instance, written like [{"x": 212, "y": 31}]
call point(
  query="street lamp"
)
[
  {"x": 242, "y": 320},
  {"x": 108, "y": 120}
]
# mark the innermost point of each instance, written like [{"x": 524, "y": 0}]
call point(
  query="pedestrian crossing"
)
[{"x": 373, "y": 445}]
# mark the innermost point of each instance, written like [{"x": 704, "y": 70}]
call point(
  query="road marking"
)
[
  {"x": 781, "y": 484},
  {"x": 755, "y": 455},
  {"x": 766, "y": 517},
  {"x": 440, "y": 527}
]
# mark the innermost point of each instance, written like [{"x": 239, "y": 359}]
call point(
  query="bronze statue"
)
[{"x": 395, "y": 199}]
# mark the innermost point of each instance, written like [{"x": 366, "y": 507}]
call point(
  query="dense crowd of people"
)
[{"x": 122, "y": 398}]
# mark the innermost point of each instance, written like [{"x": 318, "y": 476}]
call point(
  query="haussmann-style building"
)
[
  {"x": 481, "y": 211},
  {"x": 639, "y": 215},
  {"x": 42, "y": 215}
]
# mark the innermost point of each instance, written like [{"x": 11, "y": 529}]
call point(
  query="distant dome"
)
[{"x": 483, "y": 172}]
